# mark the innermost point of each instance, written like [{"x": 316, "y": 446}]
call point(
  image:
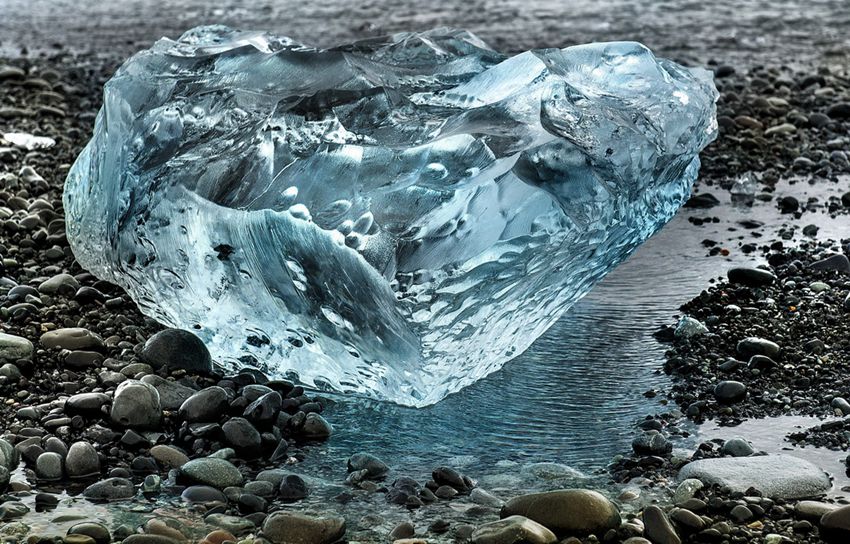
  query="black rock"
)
[
  {"x": 374, "y": 468},
  {"x": 292, "y": 488},
  {"x": 264, "y": 409},
  {"x": 239, "y": 433},
  {"x": 751, "y": 277},
  {"x": 730, "y": 392},
  {"x": 206, "y": 405},
  {"x": 835, "y": 262},
  {"x": 702, "y": 201},
  {"x": 177, "y": 349}
]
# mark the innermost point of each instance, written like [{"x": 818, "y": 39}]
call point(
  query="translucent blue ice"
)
[{"x": 395, "y": 218}]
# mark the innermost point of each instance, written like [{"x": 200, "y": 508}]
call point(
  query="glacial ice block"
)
[{"x": 394, "y": 218}]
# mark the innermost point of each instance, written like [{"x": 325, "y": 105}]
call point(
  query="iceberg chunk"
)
[{"x": 394, "y": 218}]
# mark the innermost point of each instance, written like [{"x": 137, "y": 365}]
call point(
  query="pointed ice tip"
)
[{"x": 425, "y": 208}]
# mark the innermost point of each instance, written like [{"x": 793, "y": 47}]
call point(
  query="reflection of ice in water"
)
[
  {"x": 743, "y": 191},
  {"x": 29, "y": 141}
]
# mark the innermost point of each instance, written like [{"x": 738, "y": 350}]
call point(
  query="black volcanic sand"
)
[{"x": 775, "y": 123}]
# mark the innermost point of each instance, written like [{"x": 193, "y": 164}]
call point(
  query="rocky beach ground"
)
[{"x": 137, "y": 431}]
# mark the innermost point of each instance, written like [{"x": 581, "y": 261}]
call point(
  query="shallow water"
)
[{"x": 574, "y": 396}]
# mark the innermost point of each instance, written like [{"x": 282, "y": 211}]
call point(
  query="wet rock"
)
[
  {"x": 292, "y": 528},
  {"x": 368, "y": 465},
  {"x": 657, "y": 528},
  {"x": 202, "y": 494},
  {"x": 168, "y": 456},
  {"x": 176, "y": 349},
  {"x": 292, "y": 488},
  {"x": 95, "y": 531},
  {"x": 730, "y": 392},
  {"x": 405, "y": 529},
  {"x": 567, "y": 512},
  {"x": 239, "y": 433},
  {"x": 206, "y": 405},
  {"x": 148, "y": 539},
  {"x": 211, "y": 471},
  {"x": 651, "y": 443},
  {"x": 13, "y": 347},
  {"x": 752, "y": 277},
  {"x": 111, "y": 489},
  {"x": 836, "y": 262},
  {"x": 748, "y": 347},
  {"x": 777, "y": 476},
  {"x": 60, "y": 284},
  {"x": 513, "y": 530},
  {"x": 316, "y": 427},
  {"x": 450, "y": 477},
  {"x": 835, "y": 525},
  {"x": 231, "y": 524},
  {"x": 813, "y": 510},
  {"x": 49, "y": 466},
  {"x": 82, "y": 461},
  {"x": 264, "y": 409},
  {"x": 136, "y": 404},
  {"x": 72, "y": 339},
  {"x": 737, "y": 447}
]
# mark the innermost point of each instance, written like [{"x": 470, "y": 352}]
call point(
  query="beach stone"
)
[
  {"x": 177, "y": 349},
  {"x": 687, "y": 518},
  {"x": 265, "y": 408},
  {"x": 813, "y": 510},
  {"x": 61, "y": 284},
  {"x": 72, "y": 339},
  {"x": 231, "y": 524},
  {"x": 316, "y": 427},
  {"x": 513, "y": 530},
  {"x": 292, "y": 488},
  {"x": 485, "y": 498},
  {"x": 168, "y": 457},
  {"x": 651, "y": 443},
  {"x": 730, "y": 392},
  {"x": 657, "y": 528},
  {"x": 835, "y": 525},
  {"x": 206, "y": 405},
  {"x": 82, "y": 460},
  {"x": 239, "y": 433},
  {"x": 737, "y": 447},
  {"x": 110, "y": 489},
  {"x": 757, "y": 346},
  {"x": 136, "y": 404},
  {"x": 172, "y": 395},
  {"x": 48, "y": 466},
  {"x": 9, "y": 456},
  {"x": 293, "y": 528},
  {"x": 405, "y": 529},
  {"x": 148, "y": 539},
  {"x": 14, "y": 347},
  {"x": 96, "y": 531},
  {"x": 837, "y": 262},
  {"x": 211, "y": 471},
  {"x": 686, "y": 490},
  {"x": 776, "y": 476},
  {"x": 751, "y": 277},
  {"x": 159, "y": 527},
  {"x": 374, "y": 468},
  {"x": 202, "y": 494},
  {"x": 566, "y": 512}
]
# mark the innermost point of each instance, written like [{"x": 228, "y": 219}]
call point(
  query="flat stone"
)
[
  {"x": 567, "y": 512},
  {"x": 14, "y": 347},
  {"x": 71, "y": 339},
  {"x": 513, "y": 530},
  {"x": 110, "y": 489},
  {"x": 752, "y": 277},
  {"x": 293, "y": 528},
  {"x": 218, "y": 473},
  {"x": 777, "y": 476},
  {"x": 837, "y": 262}
]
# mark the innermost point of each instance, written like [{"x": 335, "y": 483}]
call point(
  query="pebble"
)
[
  {"x": 171, "y": 394},
  {"x": 203, "y": 494},
  {"x": 752, "y": 277},
  {"x": 49, "y": 466},
  {"x": 730, "y": 392},
  {"x": 750, "y": 346},
  {"x": 835, "y": 525},
  {"x": 292, "y": 488},
  {"x": 96, "y": 531},
  {"x": 239, "y": 433},
  {"x": 374, "y": 468},
  {"x": 60, "y": 284},
  {"x": 136, "y": 404},
  {"x": 316, "y": 427},
  {"x": 168, "y": 456},
  {"x": 737, "y": 447}
]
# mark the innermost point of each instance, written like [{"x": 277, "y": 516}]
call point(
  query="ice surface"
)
[
  {"x": 395, "y": 218},
  {"x": 28, "y": 141}
]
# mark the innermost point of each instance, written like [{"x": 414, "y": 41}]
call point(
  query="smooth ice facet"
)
[{"x": 395, "y": 218}]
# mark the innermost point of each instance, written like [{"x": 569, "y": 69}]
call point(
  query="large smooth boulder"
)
[
  {"x": 513, "y": 530},
  {"x": 292, "y": 528},
  {"x": 567, "y": 512},
  {"x": 777, "y": 476}
]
